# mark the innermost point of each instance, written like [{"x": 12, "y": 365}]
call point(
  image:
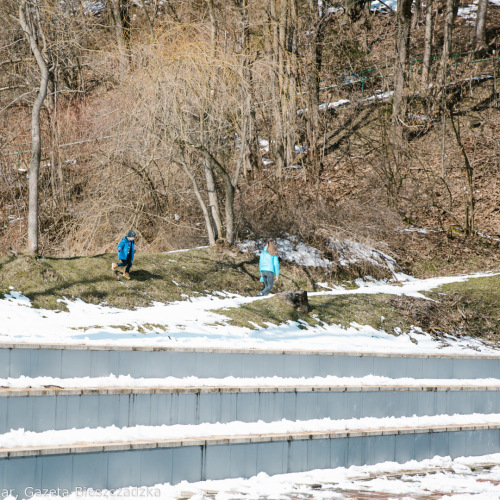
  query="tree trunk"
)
[
  {"x": 402, "y": 46},
  {"x": 480, "y": 31},
  {"x": 277, "y": 146},
  {"x": 448, "y": 35},
  {"x": 428, "y": 45},
  {"x": 249, "y": 154},
  {"x": 469, "y": 175},
  {"x": 203, "y": 206},
  {"x": 121, "y": 21},
  {"x": 213, "y": 201},
  {"x": 36, "y": 143},
  {"x": 229, "y": 188}
]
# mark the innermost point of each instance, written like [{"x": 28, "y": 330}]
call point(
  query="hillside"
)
[
  {"x": 118, "y": 152},
  {"x": 469, "y": 308}
]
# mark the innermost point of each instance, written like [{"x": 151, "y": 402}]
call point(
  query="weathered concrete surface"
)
[
  {"x": 34, "y": 360},
  {"x": 44, "y": 409},
  {"x": 147, "y": 463}
]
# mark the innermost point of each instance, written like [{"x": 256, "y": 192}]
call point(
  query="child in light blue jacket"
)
[{"x": 269, "y": 267}]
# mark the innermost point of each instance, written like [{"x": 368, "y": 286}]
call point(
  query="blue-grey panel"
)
[
  {"x": 103, "y": 363},
  {"x": 426, "y": 403},
  {"x": 307, "y": 407},
  {"x": 354, "y": 404},
  {"x": 217, "y": 461},
  {"x": 277, "y": 364},
  {"x": 140, "y": 409},
  {"x": 243, "y": 462},
  {"x": 265, "y": 407},
  {"x": 124, "y": 468},
  {"x": 227, "y": 406},
  {"x": 45, "y": 414},
  {"x": 57, "y": 472},
  {"x": 374, "y": 404},
  {"x": 318, "y": 454},
  {"x": 73, "y": 363},
  {"x": 355, "y": 455},
  {"x": 71, "y": 406},
  {"x": 90, "y": 470},
  {"x": 422, "y": 446},
  {"x": 328, "y": 365},
  {"x": 5, "y": 363},
  {"x": 290, "y": 406},
  {"x": 297, "y": 455},
  {"x": 20, "y": 362},
  {"x": 156, "y": 466},
  {"x": 48, "y": 362},
  {"x": 89, "y": 409},
  {"x": 405, "y": 448},
  {"x": 272, "y": 457},
  {"x": 187, "y": 464},
  {"x": 482, "y": 442},
  {"x": 379, "y": 449},
  {"x": 457, "y": 444},
  {"x": 439, "y": 444},
  {"x": 408, "y": 367},
  {"x": 19, "y": 413},
  {"x": 109, "y": 407},
  {"x": 154, "y": 404},
  {"x": 337, "y": 405},
  {"x": 339, "y": 452},
  {"x": 307, "y": 366},
  {"x": 132, "y": 363},
  {"x": 208, "y": 406},
  {"x": 22, "y": 475},
  {"x": 184, "y": 364},
  {"x": 157, "y": 364}
]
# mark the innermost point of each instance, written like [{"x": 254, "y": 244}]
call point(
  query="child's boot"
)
[{"x": 126, "y": 275}]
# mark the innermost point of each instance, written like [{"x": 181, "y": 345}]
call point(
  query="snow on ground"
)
[
  {"x": 126, "y": 381},
  {"x": 439, "y": 477},
  {"x": 349, "y": 252},
  {"x": 289, "y": 249},
  {"x": 200, "y": 322},
  {"x": 113, "y": 434}
]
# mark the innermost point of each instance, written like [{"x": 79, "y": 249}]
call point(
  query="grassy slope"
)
[
  {"x": 469, "y": 308},
  {"x": 472, "y": 307},
  {"x": 155, "y": 277}
]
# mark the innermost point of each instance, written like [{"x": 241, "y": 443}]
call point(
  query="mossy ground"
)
[
  {"x": 471, "y": 307},
  {"x": 164, "y": 277},
  {"x": 468, "y": 308}
]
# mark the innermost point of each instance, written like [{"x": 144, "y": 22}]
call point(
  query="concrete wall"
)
[
  {"x": 174, "y": 462},
  {"x": 84, "y": 361},
  {"x": 40, "y": 410}
]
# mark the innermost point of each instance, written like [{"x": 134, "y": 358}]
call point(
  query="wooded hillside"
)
[{"x": 193, "y": 121}]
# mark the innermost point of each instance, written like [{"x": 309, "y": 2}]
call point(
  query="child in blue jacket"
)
[
  {"x": 269, "y": 267},
  {"x": 126, "y": 252}
]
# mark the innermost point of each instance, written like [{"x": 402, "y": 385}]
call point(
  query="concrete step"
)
[
  {"x": 66, "y": 361},
  {"x": 52, "y": 408},
  {"x": 146, "y": 463}
]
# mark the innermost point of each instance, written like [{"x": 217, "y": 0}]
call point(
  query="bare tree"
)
[
  {"x": 120, "y": 16},
  {"x": 25, "y": 20},
  {"x": 469, "y": 176},
  {"x": 402, "y": 53},
  {"x": 447, "y": 39},
  {"x": 190, "y": 99},
  {"x": 426, "y": 64},
  {"x": 480, "y": 29}
]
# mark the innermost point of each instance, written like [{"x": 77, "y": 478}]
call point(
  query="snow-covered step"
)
[
  {"x": 66, "y": 361},
  {"x": 41, "y": 409},
  {"x": 76, "y": 467}
]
